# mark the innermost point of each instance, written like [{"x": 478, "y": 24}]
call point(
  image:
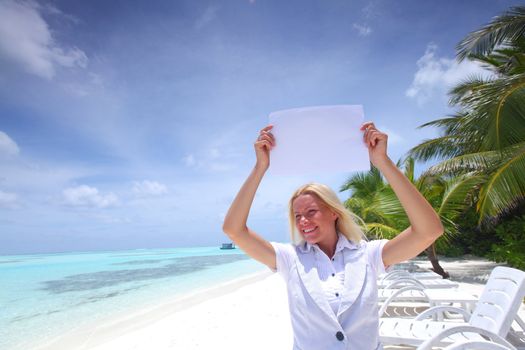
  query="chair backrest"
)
[{"x": 500, "y": 300}]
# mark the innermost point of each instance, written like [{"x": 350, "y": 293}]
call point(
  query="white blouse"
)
[
  {"x": 333, "y": 304},
  {"x": 332, "y": 273}
]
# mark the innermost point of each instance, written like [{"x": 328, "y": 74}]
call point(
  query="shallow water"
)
[{"x": 45, "y": 295}]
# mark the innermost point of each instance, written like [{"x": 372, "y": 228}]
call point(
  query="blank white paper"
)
[{"x": 318, "y": 140}]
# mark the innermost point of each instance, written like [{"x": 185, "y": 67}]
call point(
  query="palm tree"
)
[
  {"x": 487, "y": 136},
  {"x": 383, "y": 215},
  {"x": 502, "y": 30}
]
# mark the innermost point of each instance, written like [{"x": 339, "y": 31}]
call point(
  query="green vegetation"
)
[
  {"x": 478, "y": 188},
  {"x": 376, "y": 203}
]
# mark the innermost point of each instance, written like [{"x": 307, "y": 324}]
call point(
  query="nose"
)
[{"x": 303, "y": 219}]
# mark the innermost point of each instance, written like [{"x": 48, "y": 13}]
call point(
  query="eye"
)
[{"x": 312, "y": 212}]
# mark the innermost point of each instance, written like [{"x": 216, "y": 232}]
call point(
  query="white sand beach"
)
[{"x": 251, "y": 312}]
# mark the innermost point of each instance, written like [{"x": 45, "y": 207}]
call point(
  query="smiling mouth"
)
[{"x": 309, "y": 231}]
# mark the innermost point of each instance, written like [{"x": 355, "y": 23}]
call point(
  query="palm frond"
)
[
  {"x": 508, "y": 27},
  {"x": 380, "y": 231},
  {"x": 442, "y": 122},
  {"x": 474, "y": 162},
  {"x": 364, "y": 183},
  {"x": 440, "y": 147},
  {"x": 504, "y": 187},
  {"x": 454, "y": 200},
  {"x": 363, "y": 208},
  {"x": 409, "y": 167},
  {"x": 490, "y": 62},
  {"x": 510, "y": 115},
  {"x": 463, "y": 92}
]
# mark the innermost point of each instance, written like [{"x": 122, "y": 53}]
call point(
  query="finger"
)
[
  {"x": 263, "y": 144},
  {"x": 267, "y": 128},
  {"x": 267, "y": 137},
  {"x": 370, "y": 137},
  {"x": 373, "y": 138},
  {"x": 367, "y": 125},
  {"x": 377, "y": 136},
  {"x": 265, "y": 132},
  {"x": 367, "y": 134}
]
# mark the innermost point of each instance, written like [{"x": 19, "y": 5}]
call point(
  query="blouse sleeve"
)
[
  {"x": 375, "y": 250},
  {"x": 284, "y": 254}
]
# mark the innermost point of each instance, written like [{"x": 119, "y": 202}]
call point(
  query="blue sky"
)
[{"x": 130, "y": 124}]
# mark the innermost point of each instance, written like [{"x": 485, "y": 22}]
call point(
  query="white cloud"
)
[
  {"x": 8, "y": 200},
  {"x": 8, "y": 147},
  {"x": 85, "y": 196},
  {"x": 212, "y": 160},
  {"x": 25, "y": 39},
  {"x": 362, "y": 30},
  {"x": 436, "y": 75},
  {"x": 393, "y": 137},
  {"x": 149, "y": 188}
]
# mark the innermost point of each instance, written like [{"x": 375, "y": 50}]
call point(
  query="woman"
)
[{"x": 331, "y": 273}]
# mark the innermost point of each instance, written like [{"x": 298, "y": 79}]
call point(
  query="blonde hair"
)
[{"x": 346, "y": 222}]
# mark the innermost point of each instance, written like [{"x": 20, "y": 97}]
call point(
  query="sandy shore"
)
[
  {"x": 248, "y": 313},
  {"x": 251, "y": 309}
]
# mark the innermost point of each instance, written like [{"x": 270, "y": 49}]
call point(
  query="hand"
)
[
  {"x": 376, "y": 141},
  {"x": 264, "y": 144}
]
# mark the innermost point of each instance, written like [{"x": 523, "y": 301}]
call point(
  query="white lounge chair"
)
[
  {"x": 475, "y": 345},
  {"x": 409, "y": 281},
  {"x": 432, "y": 297},
  {"x": 409, "y": 266},
  {"x": 421, "y": 275},
  {"x": 492, "y": 318}
]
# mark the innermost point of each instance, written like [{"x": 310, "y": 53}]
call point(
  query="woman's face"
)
[{"x": 313, "y": 220}]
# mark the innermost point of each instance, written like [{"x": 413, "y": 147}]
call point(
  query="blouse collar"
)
[{"x": 342, "y": 243}]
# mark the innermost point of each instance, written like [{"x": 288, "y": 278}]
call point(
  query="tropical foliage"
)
[
  {"x": 487, "y": 135},
  {"x": 374, "y": 201},
  {"x": 478, "y": 187}
]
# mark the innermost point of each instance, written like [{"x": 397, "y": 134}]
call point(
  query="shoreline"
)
[
  {"x": 248, "y": 310},
  {"x": 93, "y": 335}
]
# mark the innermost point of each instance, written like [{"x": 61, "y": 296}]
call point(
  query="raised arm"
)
[
  {"x": 235, "y": 222},
  {"x": 425, "y": 225}
]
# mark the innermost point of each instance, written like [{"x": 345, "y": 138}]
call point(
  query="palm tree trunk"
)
[{"x": 432, "y": 257}]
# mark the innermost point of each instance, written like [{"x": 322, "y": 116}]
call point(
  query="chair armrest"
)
[
  {"x": 435, "y": 340},
  {"x": 410, "y": 281},
  {"x": 393, "y": 275},
  {"x": 477, "y": 345},
  {"x": 398, "y": 292},
  {"x": 434, "y": 310}
]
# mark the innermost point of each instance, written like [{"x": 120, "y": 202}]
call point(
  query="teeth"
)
[{"x": 308, "y": 230}]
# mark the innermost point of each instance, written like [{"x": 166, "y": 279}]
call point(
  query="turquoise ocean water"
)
[{"x": 44, "y": 295}]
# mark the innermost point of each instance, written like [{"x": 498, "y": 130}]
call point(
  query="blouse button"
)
[
  {"x": 340, "y": 336},
  {"x": 336, "y": 294},
  {"x": 333, "y": 274}
]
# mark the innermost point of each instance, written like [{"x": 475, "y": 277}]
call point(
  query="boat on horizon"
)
[{"x": 228, "y": 246}]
